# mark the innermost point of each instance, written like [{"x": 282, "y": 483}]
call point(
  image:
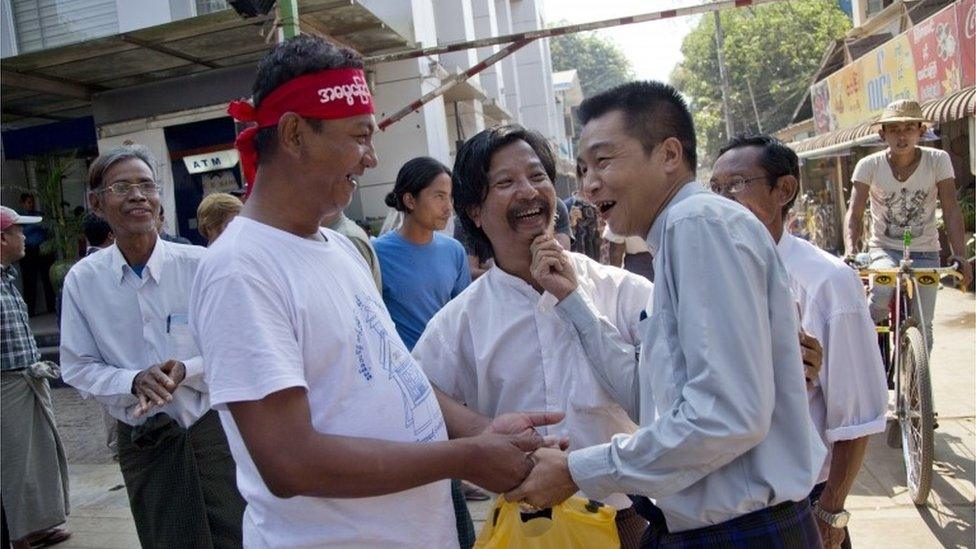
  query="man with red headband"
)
[{"x": 338, "y": 436}]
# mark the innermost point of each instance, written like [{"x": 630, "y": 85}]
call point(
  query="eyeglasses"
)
[
  {"x": 122, "y": 188},
  {"x": 735, "y": 185}
]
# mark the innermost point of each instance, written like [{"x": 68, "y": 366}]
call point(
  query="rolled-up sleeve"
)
[
  {"x": 722, "y": 374},
  {"x": 855, "y": 391}
]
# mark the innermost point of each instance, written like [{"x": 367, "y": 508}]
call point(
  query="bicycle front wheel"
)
[{"x": 917, "y": 420}]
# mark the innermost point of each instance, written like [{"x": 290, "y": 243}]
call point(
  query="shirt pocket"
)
[{"x": 179, "y": 339}]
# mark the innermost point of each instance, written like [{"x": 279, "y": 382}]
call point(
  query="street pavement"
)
[{"x": 882, "y": 512}]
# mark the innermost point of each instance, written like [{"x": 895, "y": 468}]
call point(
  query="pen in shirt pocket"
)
[{"x": 175, "y": 319}]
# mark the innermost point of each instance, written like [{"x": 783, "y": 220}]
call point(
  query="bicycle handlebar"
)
[{"x": 941, "y": 272}]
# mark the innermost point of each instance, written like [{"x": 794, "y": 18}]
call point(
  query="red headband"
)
[{"x": 327, "y": 95}]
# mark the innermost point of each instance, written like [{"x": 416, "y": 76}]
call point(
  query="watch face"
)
[
  {"x": 840, "y": 519},
  {"x": 836, "y": 520}
]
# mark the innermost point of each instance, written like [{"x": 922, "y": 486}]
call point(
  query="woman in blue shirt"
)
[{"x": 422, "y": 268}]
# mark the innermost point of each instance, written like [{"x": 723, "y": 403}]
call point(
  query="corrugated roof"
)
[
  {"x": 954, "y": 106},
  {"x": 58, "y": 83}
]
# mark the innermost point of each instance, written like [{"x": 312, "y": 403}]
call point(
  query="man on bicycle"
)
[{"x": 903, "y": 182}]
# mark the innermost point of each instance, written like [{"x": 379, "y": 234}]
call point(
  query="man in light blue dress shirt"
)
[{"x": 726, "y": 447}]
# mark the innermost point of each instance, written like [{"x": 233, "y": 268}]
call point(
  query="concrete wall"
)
[
  {"x": 173, "y": 95},
  {"x": 485, "y": 26},
  {"x": 398, "y": 15},
  {"x": 422, "y": 133},
  {"x": 533, "y": 71},
  {"x": 139, "y": 14},
  {"x": 503, "y": 17}
]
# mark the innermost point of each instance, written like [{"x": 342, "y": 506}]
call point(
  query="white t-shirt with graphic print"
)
[
  {"x": 272, "y": 310},
  {"x": 899, "y": 205}
]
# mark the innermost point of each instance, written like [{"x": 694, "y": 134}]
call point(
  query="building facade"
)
[
  {"x": 920, "y": 49},
  {"x": 161, "y": 74}
]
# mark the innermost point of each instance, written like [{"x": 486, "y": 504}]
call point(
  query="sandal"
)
[{"x": 50, "y": 537}]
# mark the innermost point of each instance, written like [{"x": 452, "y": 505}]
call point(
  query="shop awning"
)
[
  {"x": 951, "y": 107},
  {"x": 955, "y": 106}
]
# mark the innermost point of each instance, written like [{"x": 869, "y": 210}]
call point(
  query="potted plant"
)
[{"x": 64, "y": 228}]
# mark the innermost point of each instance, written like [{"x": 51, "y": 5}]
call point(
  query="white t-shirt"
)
[
  {"x": 272, "y": 310},
  {"x": 899, "y": 205}
]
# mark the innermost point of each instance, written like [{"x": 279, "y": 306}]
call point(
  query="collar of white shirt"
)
[
  {"x": 785, "y": 244},
  {"x": 545, "y": 302},
  {"x": 153, "y": 268}
]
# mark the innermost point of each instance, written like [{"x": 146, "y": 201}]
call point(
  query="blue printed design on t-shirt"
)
[{"x": 420, "y": 411}]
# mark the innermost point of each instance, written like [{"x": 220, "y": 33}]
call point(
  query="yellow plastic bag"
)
[{"x": 573, "y": 523}]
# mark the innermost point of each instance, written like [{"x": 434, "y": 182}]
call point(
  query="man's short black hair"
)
[
  {"x": 776, "y": 159},
  {"x": 293, "y": 58},
  {"x": 96, "y": 230},
  {"x": 470, "y": 174},
  {"x": 653, "y": 111}
]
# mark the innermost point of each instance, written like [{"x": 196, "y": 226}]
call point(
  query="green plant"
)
[
  {"x": 967, "y": 204},
  {"x": 64, "y": 228}
]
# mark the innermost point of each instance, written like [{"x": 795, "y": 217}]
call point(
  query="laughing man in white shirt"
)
[
  {"x": 512, "y": 350},
  {"x": 126, "y": 342},
  {"x": 848, "y": 402}
]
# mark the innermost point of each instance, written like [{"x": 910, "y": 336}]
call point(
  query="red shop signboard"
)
[
  {"x": 966, "y": 19},
  {"x": 936, "y": 49}
]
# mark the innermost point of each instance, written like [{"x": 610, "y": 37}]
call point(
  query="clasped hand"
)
[
  {"x": 155, "y": 385},
  {"x": 503, "y": 452}
]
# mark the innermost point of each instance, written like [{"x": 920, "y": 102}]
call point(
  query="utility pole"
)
[
  {"x": 288, "y": 15},
  {"x": 754, "y": 109},
  {"x": 724, "y": 75}
]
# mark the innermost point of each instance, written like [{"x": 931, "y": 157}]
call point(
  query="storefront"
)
[{"x": 933, "y": 62}]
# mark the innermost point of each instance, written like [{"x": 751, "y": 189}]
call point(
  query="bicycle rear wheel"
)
[{"x": 917, "y": 420}]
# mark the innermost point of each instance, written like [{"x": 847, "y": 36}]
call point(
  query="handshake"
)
[{"x": 511, "y": 457}]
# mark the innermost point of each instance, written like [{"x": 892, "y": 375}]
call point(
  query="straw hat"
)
[{"x": 902, "y": 110}]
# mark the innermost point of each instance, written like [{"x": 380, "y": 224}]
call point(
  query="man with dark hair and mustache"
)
[{"x": 513, "y": 348}]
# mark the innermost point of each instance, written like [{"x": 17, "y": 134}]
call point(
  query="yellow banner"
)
[
  {"x": 889, "y": 74},
  {"x": 861, "y": 90}
]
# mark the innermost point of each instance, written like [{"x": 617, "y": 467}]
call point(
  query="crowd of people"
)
[{"x": 299, "y": 384}]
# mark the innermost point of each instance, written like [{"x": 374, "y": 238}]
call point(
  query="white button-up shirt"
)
[
  {"x": 851, "y": 397},
  {"x": 501, "y": 347},
  {"x": 115, "y": 324},
  {"x": 725, "y": 426}
]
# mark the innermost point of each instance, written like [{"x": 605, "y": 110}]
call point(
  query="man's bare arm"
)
[
  {"x": 860, "y": 193},
  {"x": 954, "y": 225},
  {"x": 463, "y": 422},
  {"x": 294, "y": 459}
]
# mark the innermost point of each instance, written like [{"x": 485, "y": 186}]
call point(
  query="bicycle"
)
[{"x": 905, "y": 355}]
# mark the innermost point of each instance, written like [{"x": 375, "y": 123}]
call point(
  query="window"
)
[
  {"x": 43, "y": 24},
  {"x": 209, "y": 6}
]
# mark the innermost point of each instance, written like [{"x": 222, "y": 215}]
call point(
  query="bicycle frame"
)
[{"x": 914, "y": 408}]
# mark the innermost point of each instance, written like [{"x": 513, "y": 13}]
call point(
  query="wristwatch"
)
[{"x": 835, "y": 520}]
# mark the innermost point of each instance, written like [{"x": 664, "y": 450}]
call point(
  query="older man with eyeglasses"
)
[{"x": 125, "y": 341}]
